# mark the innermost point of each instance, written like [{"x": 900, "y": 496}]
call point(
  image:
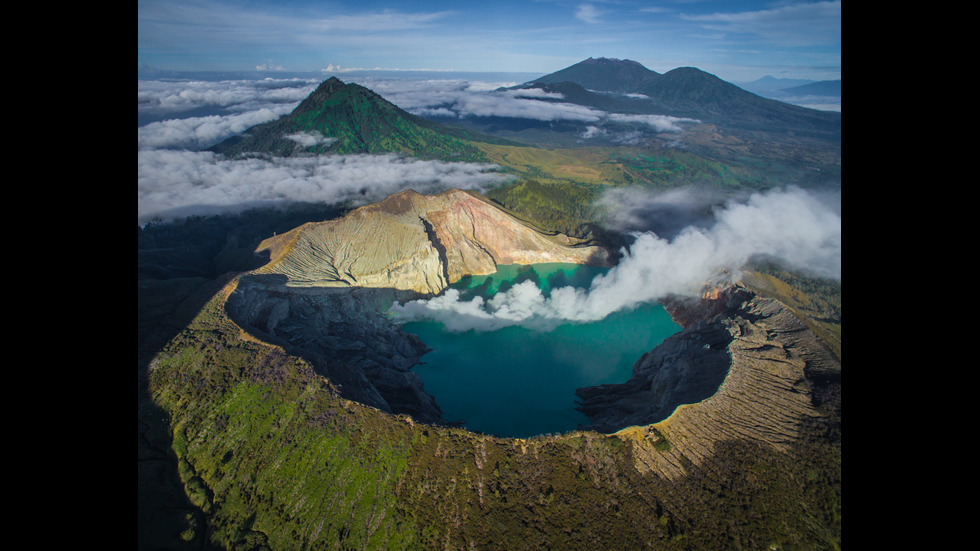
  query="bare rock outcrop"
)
[
  {"x": 417, "y": 242},
  {"x": 345, "y": 336},
  {"x": 325, "y": 290},
  {"x": 744, "y": 368}
]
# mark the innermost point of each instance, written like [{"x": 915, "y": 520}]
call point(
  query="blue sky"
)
[{"x": 735, "y": 40}]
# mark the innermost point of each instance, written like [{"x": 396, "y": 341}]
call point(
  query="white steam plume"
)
[{"x": 791, "y": 225}]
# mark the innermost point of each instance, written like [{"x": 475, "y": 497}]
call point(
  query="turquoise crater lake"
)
[{"x": 520, "y": 382}]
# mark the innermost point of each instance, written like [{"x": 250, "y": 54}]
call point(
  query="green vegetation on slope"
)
[
  {"x": 275, "y": 459},
  {"x": 267, "y": 450},
  {"x": 816, "y": 300},
  {"x": 672, "y": 168},
  {"x": 349, "y": 119},
  {"x": 559, "y": 189}
]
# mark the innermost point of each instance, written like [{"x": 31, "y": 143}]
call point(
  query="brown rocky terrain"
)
[
  {"x": 417, "y": 242},
  {"x": 324, "y": 294},
  {"x": 744, "y": 369}
]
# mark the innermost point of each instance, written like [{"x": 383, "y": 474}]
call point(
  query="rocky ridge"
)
[
  {"x": 743, "y": 369},
  {"x": 325, "y": 292},
  {"x": 345, "y": 336},
  {"x": 417, "y": 242}
]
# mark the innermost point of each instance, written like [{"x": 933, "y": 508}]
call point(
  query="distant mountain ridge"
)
[
  {"x": 347, "y": 118},
  {"x": 769, "y": 84},
  {"x": 603, "y": 74},
  {"x": 683, "y": 92},
  {"x": 829, "y": 88}
]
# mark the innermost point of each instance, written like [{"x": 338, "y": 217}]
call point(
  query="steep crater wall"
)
[
  {"x": 745, "y": 368},
  {"x": 417, "y": 242},
  {"x": 344, "y": 335},
  {"x": 328, "y": 285}
]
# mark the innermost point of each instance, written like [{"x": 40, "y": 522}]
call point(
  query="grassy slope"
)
[
  {"x": 558, "y": 188},
  {"x": 356, "y": 120},
  {"x": 816, "y": 301},
  {"x": 275, "y": 459}
]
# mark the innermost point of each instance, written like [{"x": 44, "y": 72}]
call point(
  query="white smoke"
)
[{"x": 791, "y": 225}]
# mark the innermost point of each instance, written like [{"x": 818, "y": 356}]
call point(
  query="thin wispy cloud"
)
[
  {"x": 381, "y": 21},
  {"x": 460, "y": 98},
  {"x": 788, "y": 24},
  {"x": 587, "y": 13}
]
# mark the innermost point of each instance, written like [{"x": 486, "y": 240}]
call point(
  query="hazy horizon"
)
[{"x": 737, "y": 41}]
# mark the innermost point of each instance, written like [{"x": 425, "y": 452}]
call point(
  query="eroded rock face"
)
[
  {"x": 344, "y": 335},
  {"x": 684, "y": 369},
  {"x": 324, "y": 294},
  {"x": 417, "y": 242},
  {"x": 744, "y": 368}
]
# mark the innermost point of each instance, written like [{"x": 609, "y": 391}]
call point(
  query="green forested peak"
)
[{"x": 347, "y": 118}]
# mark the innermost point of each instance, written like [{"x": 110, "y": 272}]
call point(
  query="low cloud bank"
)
[
  {"x": 175, "y": 178},
  {"x": 196, "y": 133},
  {"x": 461, "y": 98},
  {"x": 167, "y": 99},
  {"x": 799, "y": 228},
  {"x": 180, "y": 119},
  {"x": 181, "y": 183}
]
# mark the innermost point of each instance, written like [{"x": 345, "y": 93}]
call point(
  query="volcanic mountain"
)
[
  {"x": 347, "y": 118},
  {"x": 603, "y": 74},
  {"x": 683, "y": 92}
]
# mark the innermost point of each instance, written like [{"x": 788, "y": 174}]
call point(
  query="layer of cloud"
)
[
  {"x": 461, "y": 98},
  {"x": 790, "y": 24},
  {"x": 202, "y": 132},
  {"x": 197, "y": 114},
  {"x": 792, "y": 225},
  {"x": 181, "y": 183},
  {"x": 177, "y": 178},
  {"x": 165, "y": 99}
]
